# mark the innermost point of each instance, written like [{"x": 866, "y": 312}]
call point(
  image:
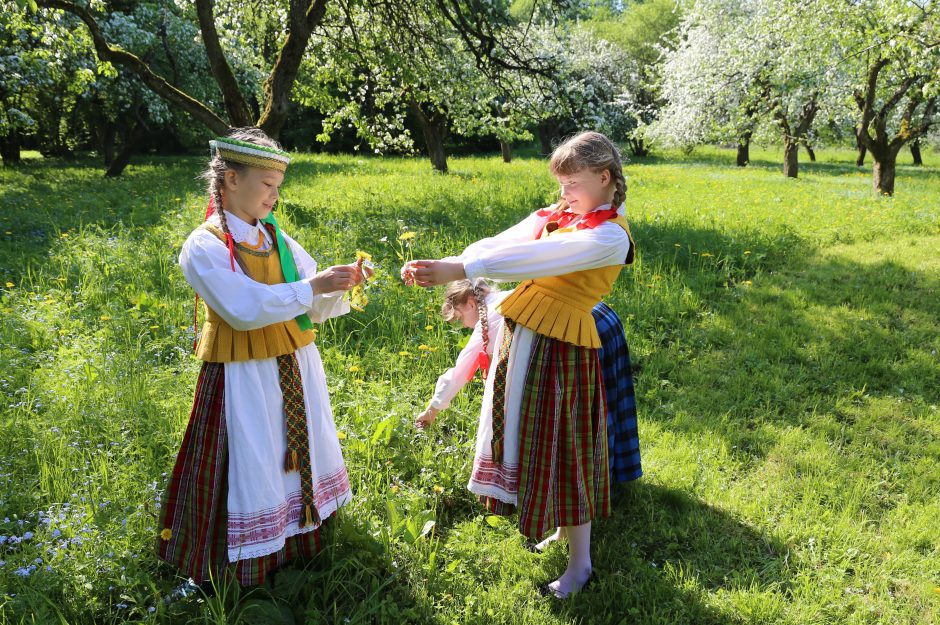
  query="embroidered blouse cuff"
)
[{"x": 303, "y": 290}]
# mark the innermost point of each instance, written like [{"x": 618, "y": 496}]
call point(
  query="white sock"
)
[{"x": 579, "y": 561}]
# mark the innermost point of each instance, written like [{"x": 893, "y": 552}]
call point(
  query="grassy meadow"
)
[{"x": 786, "y": 334}]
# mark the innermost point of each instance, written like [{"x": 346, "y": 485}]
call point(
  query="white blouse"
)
[
  {"x": 451, "y": 381},
  {"x": 514, "y": 254},
  {"x": 242, "y": 302}
]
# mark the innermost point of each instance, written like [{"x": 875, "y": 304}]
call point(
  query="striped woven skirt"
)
[
  {"x": 560, "y": 476},
  {"x": 623, "y": 438},
  {"x": 194, "y": 515}
]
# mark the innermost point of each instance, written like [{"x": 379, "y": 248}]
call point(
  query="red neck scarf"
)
[{"x": 563, "y": 217}]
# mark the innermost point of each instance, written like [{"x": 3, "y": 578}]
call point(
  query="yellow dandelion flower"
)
[
  {"x": 105, "y": 318},
  {"x": 404, "y": 353},
  {"x": 747, "y": 282},
  {"x": 353, "y": 369},
  {"x": 393, "y": 488},
  {"x": 432, "y": 349},
  {"x": 340, "y": 435},
  {"x": 423, "y": 347},
  {"x": 746, "y": 252},
  {"x": 10, "y": 285},
  {"x": 428, "y": 327},
  {"x": 407, "y": 236},
  {"x": 438, "y": 489},
  {"x": 363, "y": 255},
  {"x": 166, "y": 534}
]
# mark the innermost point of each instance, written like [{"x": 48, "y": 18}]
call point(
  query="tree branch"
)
[
  {"x": 303, "y": 16},
  {"x": 112, "y": 54},
  {"x": 232, "y": 98}
]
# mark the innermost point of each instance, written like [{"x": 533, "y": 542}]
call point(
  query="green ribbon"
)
[{"x": 288, "y": 266}]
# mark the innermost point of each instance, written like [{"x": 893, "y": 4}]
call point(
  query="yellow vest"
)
[
  {"x": 220, "y": 342},
  {"x": 560, "y": 306}
]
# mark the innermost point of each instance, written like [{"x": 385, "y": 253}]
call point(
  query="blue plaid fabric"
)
[{"x": 622, "y": 436}]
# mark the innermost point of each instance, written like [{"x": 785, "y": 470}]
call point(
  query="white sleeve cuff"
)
[
  {"x": 474, "y": 269},
  {"x": 303, "y": 290}
]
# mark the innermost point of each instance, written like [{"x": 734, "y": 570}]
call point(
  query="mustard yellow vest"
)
[
  {"x": 220, "y": 342},
  {"x": 560, "y": 306}
]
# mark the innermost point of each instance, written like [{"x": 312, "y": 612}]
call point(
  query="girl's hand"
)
[
  {"x": 435, "y": 272},
  {"x": 365, "y": 269},
  {"x": 407, "y": 273},
  {"x": 336, "y": 278},
  {"x": 426, "y": 418}
]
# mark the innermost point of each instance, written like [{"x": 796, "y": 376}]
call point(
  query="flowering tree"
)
[
  {"x": 299, "y": 18},
  {"x": 895, "y": 80}
]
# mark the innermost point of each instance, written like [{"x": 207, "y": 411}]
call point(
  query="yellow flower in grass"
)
[
  {"x": 105, "y": 318},
  {"x": 429, "y": 327},
  {"x": 10, "y": 285},
  {"x": 407, "y": 236},
  {"x": 438, "y": 489},
  {"x": 404, "y": 353},
  {"x": 340, "y": 434},
  {"x": 423, "y": 347},
  {"x": 353, "y": 369},
  {"x": 166, "y": 534}
]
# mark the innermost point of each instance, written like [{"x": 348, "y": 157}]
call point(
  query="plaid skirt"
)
[
  {"x": 194, "y": 517},
  {"x": 563, "y": 476},
  {"x": 623, "y": 439}
]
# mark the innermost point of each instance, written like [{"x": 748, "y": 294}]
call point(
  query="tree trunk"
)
[
  {"x": 915, "y": 152},
  {"x": 860, "y": 160},
  {"x": 809, "y": 150},
  {"x": 107, "y": 138},
  {"x": 10, "y": 149},
  {"x": 134, "y": 136},
  {"x": 548, "y": 130},
  {"x": 506, "y": 149},
  {"x": 791, "y": 164},
  {"x": 883, "y": 173},
  {"x": 744, "y": 151},
  {"x": 638, "y": 148},
  {"x": 433, "y": 127}
]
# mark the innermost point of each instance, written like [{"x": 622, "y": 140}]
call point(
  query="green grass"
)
[{"x": 787, "y": 333}]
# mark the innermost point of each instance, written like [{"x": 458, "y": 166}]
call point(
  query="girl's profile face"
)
[
  {"x": 586, "y": 190},
  {"x": 468, "y": 313},
  {"x": 251, "y": 193}
]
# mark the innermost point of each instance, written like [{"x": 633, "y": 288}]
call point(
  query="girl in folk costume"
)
[
  {"x": 541, "y": 444},
  {"x": 475, "y": 305},
  {"x": 260, "y": 466}
]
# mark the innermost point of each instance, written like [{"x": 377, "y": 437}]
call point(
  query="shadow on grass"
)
[
  {"x": 812, "y": 330},
  {"x": 661, "y": 550}
]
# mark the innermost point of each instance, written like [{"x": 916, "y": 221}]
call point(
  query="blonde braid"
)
[
  {"x": 480, "y": 298},
  {"x": 620, "y": 186}
]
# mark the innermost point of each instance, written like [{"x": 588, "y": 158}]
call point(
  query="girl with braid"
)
[
  {"x": 473, "y": 304},
  {"x": 260, "y": 466},
  {"x": 542, "y": 446}
]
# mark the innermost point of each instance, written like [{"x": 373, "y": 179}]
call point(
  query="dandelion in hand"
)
[{"x": 357, "y": 295}]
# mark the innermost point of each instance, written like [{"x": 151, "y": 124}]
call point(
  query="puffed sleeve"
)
[
  {"x": 512, "y": 261},
  {"x": 324, "y": 305},
  {"x": 451, "y": 381},
  {"x": 243, "y": 303}
]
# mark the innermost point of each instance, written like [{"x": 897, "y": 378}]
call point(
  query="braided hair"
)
[
  {"x": 593, "y": 151},
  {"x": 214, "y": 175},
  {"x": 459, "y": 292}
]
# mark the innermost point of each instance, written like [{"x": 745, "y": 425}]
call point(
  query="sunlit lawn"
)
[{"x": 786, "y": 331}]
